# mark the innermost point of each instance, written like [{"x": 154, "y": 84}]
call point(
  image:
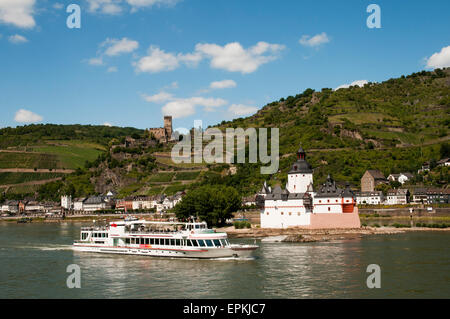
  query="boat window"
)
[
  {"x": 195, "y": 243},
  {"x": 133, "y": 241},
  {"x": 217, "y": 243},
  {"x": 152, "y": 241},
  {"x": 197, "y": 226},
  {"x": 147, "y": 241},
  {"x": 167, "y": 242},
  {"x": 127, "y": 240},
  {"x": 209, "y": 243},
  {"x": 178, "y": 242},
  {"x": 223, "y": 242},
  {"x": 189, "y": 243},
  {"x": 156, "y": 241},
  {"x": 201, "y": 243},
  {"x": 172, "y": 242}
]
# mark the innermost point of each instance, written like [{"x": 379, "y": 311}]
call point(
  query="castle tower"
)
[
  {"x": 301, "y": 174},
  {"x": 168, "y": 126}
]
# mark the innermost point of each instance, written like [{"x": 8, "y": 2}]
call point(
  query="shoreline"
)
[
  {"x": 293, "y": 235},
  {"x": 304, "y": 235}
]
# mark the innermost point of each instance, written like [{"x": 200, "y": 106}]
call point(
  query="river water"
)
[{"x": 34, "y": 258}]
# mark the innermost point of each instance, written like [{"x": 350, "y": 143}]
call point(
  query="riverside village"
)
[{"x": 332, "y": 205}]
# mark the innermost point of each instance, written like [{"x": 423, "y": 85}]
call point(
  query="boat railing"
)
[
  {"x": 96, "y": 228},
  {"x": 152, "y": 231}
]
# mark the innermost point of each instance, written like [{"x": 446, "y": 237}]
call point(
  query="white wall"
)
[
  {"x": 282, "y": 214},
  {"x": 298, "y": 183}
]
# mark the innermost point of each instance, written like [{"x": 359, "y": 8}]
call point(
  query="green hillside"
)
[
  {"x": 393, "y": 126},
  {"x": 32, "y": 154}
]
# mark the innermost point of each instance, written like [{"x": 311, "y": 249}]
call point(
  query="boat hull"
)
[{"x": 239, "y": 251}]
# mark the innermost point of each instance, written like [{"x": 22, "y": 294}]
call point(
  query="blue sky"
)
[{"x": 134, "y": 60}]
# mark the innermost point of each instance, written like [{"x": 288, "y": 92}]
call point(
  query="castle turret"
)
[
  {"x": 300, "y": 175},
  {"x": 168, "y": 126}
]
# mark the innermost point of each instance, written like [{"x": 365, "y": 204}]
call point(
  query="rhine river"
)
[{"x": 34, "y": 258}]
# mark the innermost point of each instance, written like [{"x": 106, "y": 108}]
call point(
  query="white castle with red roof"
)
[{"x": 299, "y": 205}]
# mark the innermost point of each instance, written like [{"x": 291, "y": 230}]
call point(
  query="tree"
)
[{"x": 213, "y": 204}]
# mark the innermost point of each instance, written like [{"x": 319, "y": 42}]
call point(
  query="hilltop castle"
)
[
  {"x": 163, "y": 134},
  {"x": 299, "y": 205}
]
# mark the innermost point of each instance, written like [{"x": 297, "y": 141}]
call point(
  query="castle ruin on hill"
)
[{"x": 163, "y": 134}]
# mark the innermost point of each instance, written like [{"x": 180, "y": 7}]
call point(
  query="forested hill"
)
[
  {"x": 405, "y": 111},
  {"x": 393, "y": 126},
  {"x": 34, "y": 134}
]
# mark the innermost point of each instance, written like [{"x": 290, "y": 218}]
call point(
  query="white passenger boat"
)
[{"x": 159, "y": 239}]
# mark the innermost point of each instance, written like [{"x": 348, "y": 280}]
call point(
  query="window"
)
[
  {"x": 189, "y": 243},
  {"x": 209, "y": 243},
  {"x": 147, "y": 241},
  {"x": 152, "y": 241},
  {"x": 167, "y": 242},
  {"x": 282, "y": 213},
  {"x": 328, "y": 200},
  {"x": 133, "y": 241},
  {"x": 156, "y": 241},
  {"x": 172, "y": 242},
  {"x": 127, "y": 240},
  {"x": 320, "y": 201},
  {"x": 217, "y": 243},
  {"x": 267, "y": 213},
  {"x": 290, "y": 213},
  {"x": 194, "y": 242},
  {"x": 328, "y": 208},
  {"x": 178, "y": 242},
  {"x": 201, "y": 243}
]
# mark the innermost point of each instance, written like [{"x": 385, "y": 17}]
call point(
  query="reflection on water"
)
[{"x": 34, "y": 257}]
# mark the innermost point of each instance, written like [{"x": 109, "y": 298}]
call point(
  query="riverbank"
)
[{"x": 315, "y": 235}]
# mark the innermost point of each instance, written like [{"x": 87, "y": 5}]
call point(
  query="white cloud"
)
[
  {"x": 116, "y": 47},
  {"x": 25, "y": 116},
  {"x": 95, "y": 61},
  {"x": 314, "y": 41},
  {"x": 111, "y": 7},
  {"x": 182, "y": 107},
  {"x": 19, "y": 13},
  {"x": 158, "y": 98},
  {"x": 222, "y": 84},
  {"x": 17, "y": 39},
  {"x": 107, "y": 124},
  {"x": 114, "y": 7},
  {"x": 234, "y": 58},
  {"x": 150, "y": 3},
  {"x": 359, "y": 83},
  {"x": 111, "y": 69},
  {"x": 58, "y": 6},
  {"x": 439, "y": 59},
  {"x": 179, "y": 108},
  {"x": 231, "y": 57},
  {"x": 156, "y": 61},
  {"x": 241, "y": 109}
]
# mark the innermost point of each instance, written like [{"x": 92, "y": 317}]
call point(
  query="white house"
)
[
  {"x": 78, "y": 204},
  {"x": 94, "y": 203},
  {"x": 34, "y": 206},
  {"x": 369, "y": 198},
  {"x": 397, "y": 197},
  {"x": 401, "y": 178},
  {"x": 66, "y": 202}
]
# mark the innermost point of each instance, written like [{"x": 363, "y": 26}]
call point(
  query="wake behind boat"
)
[{"x": 160, "y": 239}]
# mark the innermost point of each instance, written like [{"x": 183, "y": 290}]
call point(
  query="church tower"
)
[{"x": 301, "y": 174}]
